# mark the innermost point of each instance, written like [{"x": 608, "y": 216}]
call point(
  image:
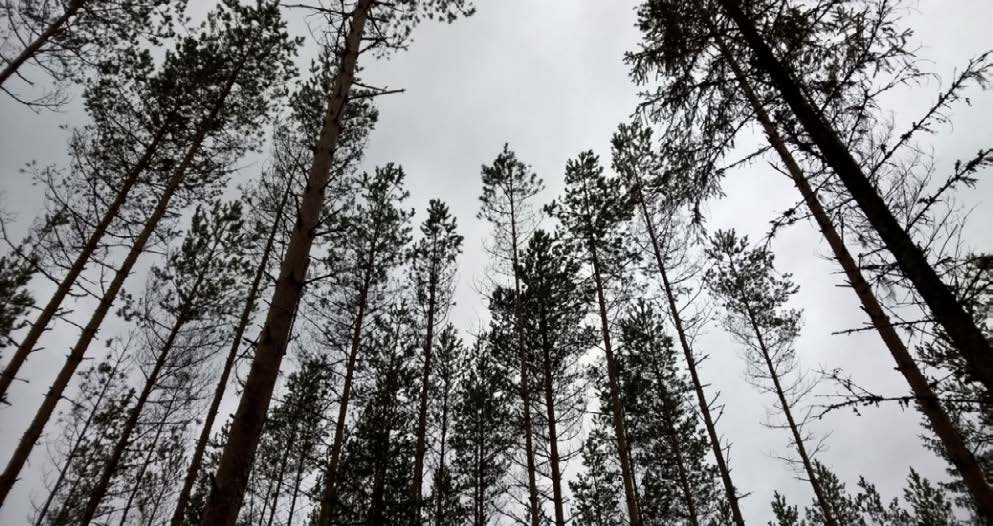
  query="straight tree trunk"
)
[
  {"x": 99, "y": 490},
  {"x": 53, "y": 29},
  {"x": 553, "y": 441},
  {"x": 27, "y": 345},
  {"x": 955, "y": 447},
  {"x": 677, "y": 321},
  {"x": 136, "y": 484},
  {"x": 236, "y": 460},
  {"x": 675, "y": 444},
  {"x": 299, "y": 478},
  {"x": 215, "y": 403},
  {"x": 37, "y": 426},
  {"x": 76, "y": 444},
  {"x": 808, "y": 466},
  {"x": 440, "y": 509},
  {"x": 945, "y": 308},
  {"x": 422, "y": 412},
  {"x": 281, "y": 476},
  {"x": 617, "y": 410}
]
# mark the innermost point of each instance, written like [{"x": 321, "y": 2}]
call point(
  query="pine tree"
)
[
  {"x": 754, "y": 298},
  {"x": 446, "y": 500},
  {"x": 678, "y": 485},
  {"x": 592, "y": 213},
  {"x": 596, "y": 489},
  {"x": 433, "y": 259},
  {"x": 509, "y": 187}
]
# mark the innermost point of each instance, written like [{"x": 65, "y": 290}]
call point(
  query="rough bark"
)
[
  {"x": 53, "y": 29},
  {"x": 927, "y": 401},
  {"x": 27, "y": 345},
  {"x": 949, "y": 313},
  {"x": 236, "y": 460}
]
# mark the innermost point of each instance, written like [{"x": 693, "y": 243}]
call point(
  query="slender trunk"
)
[
  {"x": 37, "y": 426},
  {"x": 442, "y": 468},
  {"x": 377, "y": 504},
  {"x": 553, "y": 442},
  {"x": 422, "y": 412},
  {"x": 99, "y": 490},
  {"x": 77, "y": 443},
  {"x": 236, "y": 461},
  {"x": 136, "y": 483},
  {"x": 282, "y": 474},
  {"x": 299, "y": 477},
  {"x": 534, "y": 510},
  {"x": 53, "y": 29},
  {"x": 677, "y": 321},
  {"x": 617, "y": 410},
  {"x": 958, "y": 452},
  {"x": 215, "y": 403},
  {"x": 805, "y": 459},
  {"x": 51, "y": 309},
  {"x": 958, "y": 324},
  {"x": 675, "y": 444}
]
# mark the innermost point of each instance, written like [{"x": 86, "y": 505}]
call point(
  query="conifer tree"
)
[
  {"x": 555, "y": 304},
  {"x": 433, "y": 259},
  {"x": 389, "y": 27},
  {"x": 754, "y": 298},
  {"x": 509, "y": 187},
  {"x": 596, "y": 490},
  {"x": 446, "y": 499},
  {"x": 592, "y": 213}
]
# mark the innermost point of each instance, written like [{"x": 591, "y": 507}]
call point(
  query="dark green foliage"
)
[
  {"x": 597, "y": 490},
  {"x": 15, "y": 299}
]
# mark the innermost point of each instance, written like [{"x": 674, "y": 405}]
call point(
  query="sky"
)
[{"x": 547, "y": 77}]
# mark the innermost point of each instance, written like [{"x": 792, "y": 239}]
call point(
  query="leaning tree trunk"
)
[
  {"x": 677, "y": 321},
  {"x": 99, "y": 490},
  {"x": 136, "y": 482},
  {"x": 805, "y": 459},
  {"x": 422, "y": 413},
  {"x": 951, "y": 439},
  {"x": 57, "y": 26},
  {"x": 617, "y": 410},
  {"x": 51, "y": 309},
  {"x": 37, "y": 426},
  {"x": 949, "y": 313},
  {"x": 178, "y": 515},
  {"x": 553, "y": 440},
  {"x": 246, "y": 428}
]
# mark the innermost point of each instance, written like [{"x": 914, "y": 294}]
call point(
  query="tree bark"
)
[
  {"x": 808, "y": 466},
  {"x": 37, "y": 426},
  {"x": 36, "y": 44},
  {"x": 945, "y": 308},
  {"x": 677, "y": 321},
  {"x": 51, "y": 309},
  {"x": 99, "y": 490},
  {"x": 236, "y": 460},
  {"x": 215, "y": 403},
  {"x": 553, "y": 442},
  {"x": 955, "y": 447}
]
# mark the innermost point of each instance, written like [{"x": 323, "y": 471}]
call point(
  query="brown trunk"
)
[
  {"x": 677, "y": 321},
  {"x": 808, "y": 465},
  {"x": 422, "y": 413},
  {"x": 37, "y": 426},
  {"x": 32, "y": 48},
  {"x": 553, "y": 441},
  {"x": 76, "y": 444},
  {"x": 954, "y": 445},
  {"x": 236, "y": 461},
  {"x": 99, "y": 490},
  {"x": 945, "y": 308},
  {"x": 215, "y": 403},
  {"x": 51, "y": 309}
]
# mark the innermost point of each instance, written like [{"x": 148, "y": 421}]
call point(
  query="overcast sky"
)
[{"x": 547, "y": 77}]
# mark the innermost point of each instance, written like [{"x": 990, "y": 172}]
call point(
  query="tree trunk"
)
[
  {"x": 553, "y": 442},
  {"x": 100, "y": 489},
  {"x": 32, "y": 48},
  {"x": 215, "y": 403},
  {"x": 958, "y": 452},
  {"x": 617, "y": 410},
  {"x": 422, "y": 413},
  {"x": 34, "y": 431},
  {"x": 281, "y": 475},
  {"x": 669, "y": 423},
  {"x": 136, "y": 484},
  {"x": 808, "y": 466},
  {"x": 76, "y": 444},
  {"x": 51, "y": 309},
  {"x": 949, "y": 313},
  {"x": 236, "y": 461},
  {"x": 677, "y": 321}
]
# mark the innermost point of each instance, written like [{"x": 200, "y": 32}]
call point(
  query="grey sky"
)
[{"x": 547, "y": 77}]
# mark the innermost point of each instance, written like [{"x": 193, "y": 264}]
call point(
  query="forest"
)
[{"x": 216, "y": 309}]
